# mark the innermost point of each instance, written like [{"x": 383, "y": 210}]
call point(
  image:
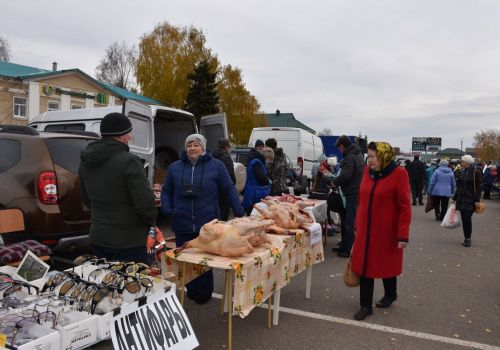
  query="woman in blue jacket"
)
[
  {"x": 190, "y": 195},
  {"x": 258, "y": 184},
  {"x": 441, "y": 187}
]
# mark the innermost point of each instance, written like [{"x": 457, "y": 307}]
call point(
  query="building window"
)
[
  {"x": 53, "y": 106},
  {"x": 76, "y": 106},
  {"x": 20, "y": 107}
]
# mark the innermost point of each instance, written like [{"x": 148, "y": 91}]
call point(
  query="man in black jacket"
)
[
  {"x": 278, "y": 170},
  {"x": 417, "y": 177},
  {"x": 114, "y": 185},
  {"x": 351, "y": 172},
  {"x": 222, "y": 153}
]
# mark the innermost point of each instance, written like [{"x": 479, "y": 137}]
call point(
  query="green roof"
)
[
  {"x": 12, "y": 70},
  {"x": 285, "y": 120}
]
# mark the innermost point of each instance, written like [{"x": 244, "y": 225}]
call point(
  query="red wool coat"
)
[{"x": 382, "y": 220}]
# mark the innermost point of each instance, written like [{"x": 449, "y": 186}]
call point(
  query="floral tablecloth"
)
[{"x": 257, "y": 275}]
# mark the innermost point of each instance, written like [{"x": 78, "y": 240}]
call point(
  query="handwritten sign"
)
[{"x": 160, "y": 323}]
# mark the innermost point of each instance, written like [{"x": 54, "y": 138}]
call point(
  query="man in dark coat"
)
[
  {"x": 278, "y": 170},
  {"x": 115, "y": 187},
  {"x": 222, "y": 153},
  {"x": 417, "y": 178},
  {"x": 351, "y": 172}
]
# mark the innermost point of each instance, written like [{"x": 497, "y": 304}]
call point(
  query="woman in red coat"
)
[{"x": 382, "y": 226}]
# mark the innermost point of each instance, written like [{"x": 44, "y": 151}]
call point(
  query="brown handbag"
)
[
  {"x": 482, "y": 205},
  {"x": 351, "y": 279}
]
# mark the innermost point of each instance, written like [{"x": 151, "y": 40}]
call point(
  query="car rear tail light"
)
[
  {"x": 300, "y": 163},
  {"x": 51, "y": 242},
  {"x": 47, "y": 187}
]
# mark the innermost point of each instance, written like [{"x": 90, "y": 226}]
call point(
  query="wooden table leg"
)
[
  {"x": 183, "y": 282},
  {"x": 269, "y": 310},
  {"x": 224, "y": 291},
  {"x": 230, "y": 310}
]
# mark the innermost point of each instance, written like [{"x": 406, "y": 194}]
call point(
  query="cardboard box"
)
[
  {"x": 80, "y": 333},
  {"x": 50, "y": 341},
  {"x": 103, "y": 324}
]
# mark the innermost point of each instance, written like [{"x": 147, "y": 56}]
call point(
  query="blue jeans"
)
[
  {"x": 201, "y": 288},
  {"x": 350, "y": 217}
]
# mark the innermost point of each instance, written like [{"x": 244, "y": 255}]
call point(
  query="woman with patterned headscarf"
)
[{"x": 382, "y": 226}]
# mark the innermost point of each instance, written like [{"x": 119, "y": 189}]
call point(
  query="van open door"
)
[
  {"x": 213, "y": 127},
  {"x": 142, "y": 143}
]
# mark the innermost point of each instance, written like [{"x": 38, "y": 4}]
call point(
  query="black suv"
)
[{"x": 39, "y": 175}]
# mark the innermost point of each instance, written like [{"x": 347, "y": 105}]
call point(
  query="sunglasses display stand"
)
[{"x": 84, "y": 329}]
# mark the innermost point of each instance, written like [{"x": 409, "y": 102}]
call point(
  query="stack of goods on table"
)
[
  {"x": 64, "y": 299},
  {"x": 280, "y": 215}
]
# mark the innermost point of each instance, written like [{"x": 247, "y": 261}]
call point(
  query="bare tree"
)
[
  {"x": 4, "y": 50},
  {"x": 325, "y": 132},
  {"x": 118, "y": 66}
]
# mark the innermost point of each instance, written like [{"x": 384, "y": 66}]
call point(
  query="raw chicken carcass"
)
[
  {"x": 282, "y": 217},
  {"x": 220, "y": 239},
  {"x": 253, "y": 227}
]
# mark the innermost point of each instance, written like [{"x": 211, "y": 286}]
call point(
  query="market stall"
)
[{"x": 254, "y": 277}]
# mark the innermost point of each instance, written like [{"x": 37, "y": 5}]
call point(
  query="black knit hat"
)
[
  {"x": 258, "y": 143},
  {"x": 223, "y": 142},
  {"x": 115, "y": 124},
  {"x": 343, "y": 140}
]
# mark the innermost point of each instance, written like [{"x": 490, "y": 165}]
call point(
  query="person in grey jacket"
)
[
  {"x": 349, "y": 180},
  {"x": 114, "y": 185},
  {"x": 441, "y": 187}
]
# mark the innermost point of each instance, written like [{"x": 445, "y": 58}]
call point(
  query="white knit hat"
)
[
  {"x": 468, "y": 159},
  {"x": 332, "y": 161},
  {"x": 197, "y": 138}
]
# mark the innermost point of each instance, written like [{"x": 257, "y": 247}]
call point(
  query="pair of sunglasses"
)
[
  {"x": 54, "y": 281},
  {"x": 15, "y": 286},
  {"x": 82, "y": 259}
]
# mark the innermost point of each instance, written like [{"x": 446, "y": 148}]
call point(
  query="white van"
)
[
  {"x": 158, "y": 132},
  {"x": 302, "y": 147}
]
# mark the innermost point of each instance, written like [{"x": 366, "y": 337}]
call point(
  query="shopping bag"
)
[
  {"x": 452, "y": 217},
  {"x": 429, "y": 205},
  {"x": 351, "y": 279}
]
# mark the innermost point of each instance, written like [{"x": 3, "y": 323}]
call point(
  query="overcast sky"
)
[{"x": 388, "y": 69}]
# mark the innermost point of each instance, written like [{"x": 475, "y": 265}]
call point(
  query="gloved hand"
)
[{"x": 155, "y": 240}]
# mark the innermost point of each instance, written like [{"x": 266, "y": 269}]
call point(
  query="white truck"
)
[{"x": 301, "y": 147}]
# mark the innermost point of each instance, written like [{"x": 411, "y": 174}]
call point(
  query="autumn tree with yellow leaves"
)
[
  {"x": 241, "y": 107},
  {"x": 168, "y": 55},
  {"x": 488, "y": 145}
]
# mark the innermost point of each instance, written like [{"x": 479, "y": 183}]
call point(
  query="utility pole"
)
[{"x": 462, "y": 145}]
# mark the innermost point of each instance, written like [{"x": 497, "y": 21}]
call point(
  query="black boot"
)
[
  {"x": 467, "y": 242},
  {"x": 363, "y": 313},
  {"x": 386, "y": 301}
]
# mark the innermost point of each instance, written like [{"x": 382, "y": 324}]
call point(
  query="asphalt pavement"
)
[{"x": 448, "y": 298}]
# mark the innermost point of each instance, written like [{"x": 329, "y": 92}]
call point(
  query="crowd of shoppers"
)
[{"x": 373, "y": 201}]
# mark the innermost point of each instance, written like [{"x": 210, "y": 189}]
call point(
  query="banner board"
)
[
  {"x": 425, "y": 143},
  {"x": 158, "y": 323}
]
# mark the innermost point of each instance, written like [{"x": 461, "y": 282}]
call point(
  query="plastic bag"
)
[{"x": 452, "y": 218}]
